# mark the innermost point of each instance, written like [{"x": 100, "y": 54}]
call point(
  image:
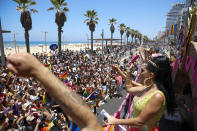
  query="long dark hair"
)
[{"x": 160, "y": 66}]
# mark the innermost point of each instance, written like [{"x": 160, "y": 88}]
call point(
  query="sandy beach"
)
[{"x": 36, "y": 49}]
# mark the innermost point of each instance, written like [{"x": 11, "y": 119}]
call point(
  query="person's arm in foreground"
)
[{"x": 27, "y": 65}]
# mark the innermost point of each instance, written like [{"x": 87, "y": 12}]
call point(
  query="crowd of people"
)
[
  {"x": 26, "y": 105},
  {"x": 33, "y": 99}
]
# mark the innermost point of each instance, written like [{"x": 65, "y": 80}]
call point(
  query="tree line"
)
[{"x": 61, "y": 7}]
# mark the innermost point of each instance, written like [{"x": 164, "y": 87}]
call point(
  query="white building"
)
[{"x": 175, "y": 16}]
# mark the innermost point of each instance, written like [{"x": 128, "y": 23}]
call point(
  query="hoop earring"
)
[{"x": 145, "y": 80}]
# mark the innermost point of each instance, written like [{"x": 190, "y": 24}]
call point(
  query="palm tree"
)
[
  {"x": 136, "y": 32},
  {"x": 140, "y": 38},
  {"x": 145, "y": 39},
  {"x": 112, "y": 28},
  {"x": 132, "y": 34},
  {"x": 122, "y": 30},
  {"x": 25, "y": 18},
  {"x": 91, "y": 21},
  {"x": 127, "y": 34},
  {"x": 60, "y": 17},
  {"x": 102, "y": 35}
]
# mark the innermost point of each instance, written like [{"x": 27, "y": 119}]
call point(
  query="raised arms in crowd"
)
[
  {"x": 131, "y": 86},
  {"x": 28, "y": 66}
]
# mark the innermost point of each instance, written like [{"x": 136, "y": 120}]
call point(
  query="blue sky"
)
[{"x": 147, "y": 16}]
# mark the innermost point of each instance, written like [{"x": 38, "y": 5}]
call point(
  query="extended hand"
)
[
  {"x": 38, "y": 121},
  {"x": 111, "y": 120},
  {"x": 131, "y": 66},
  {"x": 23, "y": 64}
]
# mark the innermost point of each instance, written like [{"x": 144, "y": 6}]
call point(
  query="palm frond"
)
[
  {"x": 95, "y": 22},
  {"x": 65, "y": 9},
  {"x": 112, "y": 21},
  {"x": 24, "y": 1},
  {"x": 17, "y": 1},
  {"x": 32, "y": 3},
  {"x": 65, "y": 4},
  {"x": 18, "y": 8},
  {"x": 122, "y": 25},
  {"x": 54, "y": 2},
  {"x": 51, "y": 8},
  {"x": 34, "y": 10},
  {"x": 92, "y": 14},
  {"x": 86, "y": 21},
  {"x": 29, "y": 1},
  {"x": 61, "y": 2}
]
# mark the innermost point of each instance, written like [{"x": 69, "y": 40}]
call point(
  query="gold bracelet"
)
[{"x": 145, "y": 87}]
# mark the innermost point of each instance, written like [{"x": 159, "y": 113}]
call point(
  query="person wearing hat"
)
[{"x": 27, "y": 65}]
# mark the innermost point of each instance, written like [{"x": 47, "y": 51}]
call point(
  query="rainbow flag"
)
[
  {"x": 167, "y": 33},
  {"x": 85, "y": 94},
  {"x": 110, "y": 129},
  {"x": 172, "y": 30},
  {"x": 63, "y": 75},
  {"x": 96, "y": 101},
  {"x": 175, "y": 30},
  {"x": 10, "y": 75},
  {"x": 10, "y": 105}
]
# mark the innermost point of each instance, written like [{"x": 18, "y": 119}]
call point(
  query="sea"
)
[{"x": 8, "y": 44}]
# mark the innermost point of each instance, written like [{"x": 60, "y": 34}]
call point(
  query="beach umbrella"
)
[{"x": 53, "y": 47}]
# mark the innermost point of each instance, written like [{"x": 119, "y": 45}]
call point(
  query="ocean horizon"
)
[{"x": 38, "y": 43}]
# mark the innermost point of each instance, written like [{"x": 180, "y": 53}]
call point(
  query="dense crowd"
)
[{"x": 25, "y": 104}]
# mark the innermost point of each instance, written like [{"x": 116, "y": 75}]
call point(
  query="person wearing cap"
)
[{"x": 27, "y": 65}]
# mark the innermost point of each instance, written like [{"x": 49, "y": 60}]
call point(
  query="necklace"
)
[{"x": 142, "y": 92}]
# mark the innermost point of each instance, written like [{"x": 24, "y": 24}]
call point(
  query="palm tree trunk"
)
[
  {"x": 59, "y": 39},
  {"x": 121, "y": 41},
  {"x": 127, "y": 41},
  {"x": 102, "y": 45},
  {"x": 92, "y": 41},
  {"x": 27, "y": 40},
  {"x": 111, "y": 40}
]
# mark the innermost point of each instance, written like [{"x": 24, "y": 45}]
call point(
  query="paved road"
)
[
  {"x": 167, "y": 122},
  {"x": 113, "y": 104}
]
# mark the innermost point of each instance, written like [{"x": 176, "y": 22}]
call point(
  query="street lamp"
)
[
  {"x": 1, "y": 45},
  {"x": 102, "y": 35},
  {"x": 45, "y": 32}
]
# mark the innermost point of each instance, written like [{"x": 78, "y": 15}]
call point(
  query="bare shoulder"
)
[{"x": 158, "y": 97}]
